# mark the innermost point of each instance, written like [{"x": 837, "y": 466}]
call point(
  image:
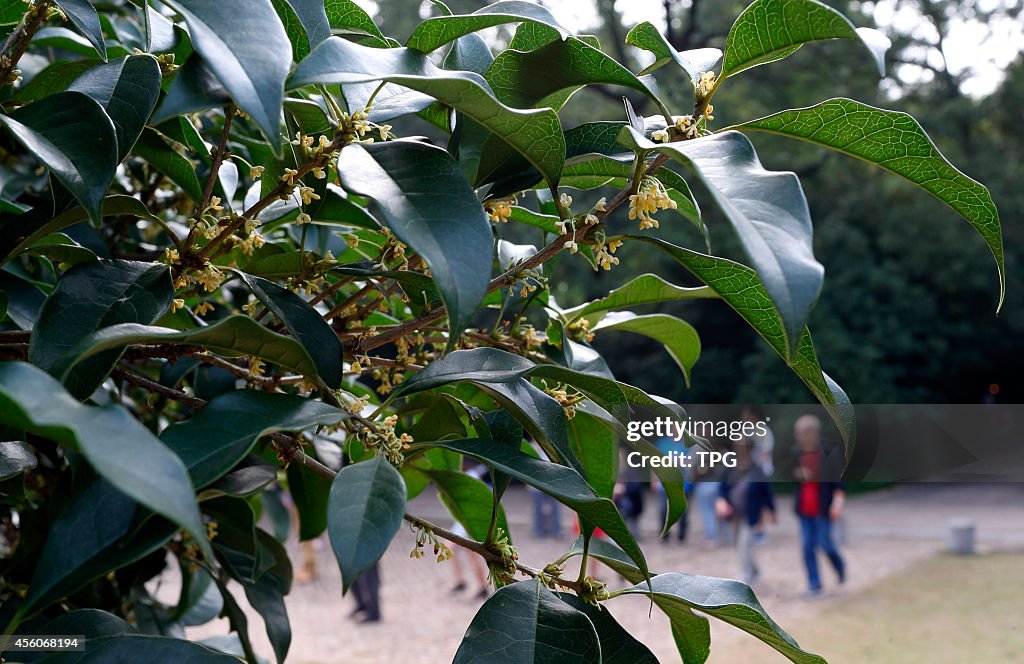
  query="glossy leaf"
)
[
  {"x": 536, "y": 134},
  {"x": 117, "y": 446},
  {"x": 525, "y": 623},
  {"x": 468, "y": 500},
  {"x": 598, "y": 452},
  {"x": 727, "y": 600},
  {"x": 742, "y": 290},
  {"x": 195, "y": 88},
  {"x": 127, "y": 89},
  {"x": 216, "y": 438},
  {"x": 248, "y": 51},
  {"x": 313, "y": 16},
  {"x": 309, "y": 491},
  {"x": 769, "y": 213},
  {"x": 424, "y": 199},
  {"x": 770, "y": 30},
  {"x": 617, "y": 645},
  {"x": 560, "y": 482},
  {"x": 895, "y": 142},
  {"x": 695, "y": 61},
  {"x": 348, "y": 16},
  {"x": 161, "y": 156},
  {"x": 235, "y": 336},
  {"x": 365, "y": 510},
  {"x": 645, "y": 289},
  {"x": 679, "y": 338},
  {"x": 15, "y": 458},
  {"x": 91, "y": 297},
  {"x": 72, "y": 135},
  {"x": 128, "y": 649},
  {"x": 83, "y": 15},
  {"x": 304, "y": 324},
  {"x": 438, "y": 31}
]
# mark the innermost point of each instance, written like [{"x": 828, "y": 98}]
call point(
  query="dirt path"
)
[{"x": 885, "y": 532}]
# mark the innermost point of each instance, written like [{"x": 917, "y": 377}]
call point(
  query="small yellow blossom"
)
[
  {"x": 566, "y": 201},
  {"x": 203, "y": 308},
  {"x": 256, "y": 172},
  {"x": 177, "y": 303},
  {"x": 308, "y": 195},
  {"x": 290, "y": 175},
  {"x": 303, "y": 218}
]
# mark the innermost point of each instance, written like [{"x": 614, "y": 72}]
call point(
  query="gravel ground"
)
[{"x": 423, "y": 623}]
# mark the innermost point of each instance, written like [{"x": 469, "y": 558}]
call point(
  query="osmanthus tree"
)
[{"x": 224, "y": 273}]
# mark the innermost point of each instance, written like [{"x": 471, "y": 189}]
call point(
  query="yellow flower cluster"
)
[
  {"x": 499, "y": 209},
  {"x": 646, "y": 202},
  {"x": 386, "y": 441},
  {"x": 425, "y": 537},
  {"x": 604, "y": 257}
]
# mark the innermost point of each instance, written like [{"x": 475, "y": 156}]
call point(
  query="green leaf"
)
[
  {"x": 195, "y": 88},
  {"x": 727, "y": 600},
  {"x": 895, "y": 142},
  {"x": 235, "y": 336},
  {"x": 429, "y": 205},
  {"x": 92, "y": 623},
  {"x": 679, "y": 338},
  {"x": 90, "y": 297},
  {"x": 742, "y": 290},
  {"x": 598, "y": 451},
  {"x": 367, "y": 504},
  {"x": 129, "y": 649},
  {"x": 560, "y": 482},
  {"x": 161, "y": 156},
  {"x": 694, "y": 62},
  {"x": 309, "y": 491},
  {"x": 54, "y": 78},
  {"x": 217, "y": 438},
  {"x": 72, "y": 135},
  {"x": 617, "y": 645},
  {"x": 99, "y": 531},
  {"x": 12, "y": 11},
  {"x": 536, "y": 134},
  {"x": 293, "y": 28},
  {"x": 84, "y": 16},
  {"x": 249, "y": 52},
  {"x": 15, "y": 458},
  {"x": 645, "y": 289},
  {"x": 303, "y": 323},
  {"x": 468, "y": 500},
  {"x": 769, "y": 213},
  {"x": 525, "y": 623},
  {"x": 348, "y": 16},
  {"x": 160, "y": 34},
  {"x": 313, "y": 16},
  {"x": 127, "y": 89},
  {"x": 437, "y": 31},
  {"x": 610, "y": 555},
  {"x": 120, "y": 449},
  {"x": 770, "y": 30},
  {"x": 116, "y": 205}
]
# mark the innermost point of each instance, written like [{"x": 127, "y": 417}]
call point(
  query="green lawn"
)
[{"x": 945, "y": 609}]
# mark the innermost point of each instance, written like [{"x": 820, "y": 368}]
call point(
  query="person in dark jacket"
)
[
  {"x": 820, "y": 498},
  {"x": 744, "y": 496}
]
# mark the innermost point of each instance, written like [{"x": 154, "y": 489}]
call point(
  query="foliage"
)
[{"x": 238, "y": 275}]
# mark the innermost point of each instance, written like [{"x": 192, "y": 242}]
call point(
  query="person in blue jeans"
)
[{"x": 820, "y": 499}]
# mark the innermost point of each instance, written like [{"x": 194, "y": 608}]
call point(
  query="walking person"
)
[
  {"x": 745, "y": 498},
  {"x": 820, "y": 498}
]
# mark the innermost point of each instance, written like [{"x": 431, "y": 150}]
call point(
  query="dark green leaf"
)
[
  {"x": 595, "y": 446},
  {"x": 366, "y": 507},
  {"x": 428, "y": 204},
  {"x": 304, "y": 324},
  {"x": 560, "y": 482},
  {"x": 160, "y": 34},
  {"x": 91, "y": 623},
  {"x": 15, "y": 458},
  {"x": 90, "y": 297},
  {"x": 131, "y": 649},
  {"x": 235, "y": 336},
  {"x": 313, "y": 16},
  {"x": 468, "y": 500},
  {"x": 195, "y": 88},
  {"x": 120, "y": 449},
  {"x": 617, "y": 645},
  {"x": 612, "y": 556},
  {"x": 693, "y": 62},
  {"x": 742, "y": 290},
  {"x": 24, "y": 300},
  {"x": 525, "y": 623},
  {"x": 84, "y": 17},
  {"x": 729, "y": 601},
  {"x": 348, "y": 16},
  {"x": 770, "y": 30},
  {"x": 769, "y": 213},
  {"x": 127, "y": 89},
  {"x": 469, "y": 53},
  {"x": 54, "y": 78},
  {"x": 217, "y": 437},
  {"x": 249, "y": 52},
  {"x": 309, "y": 492},
  {"x": 896, "y": 142},
  {"x": 72, "y": 135},
  {"x": 161, "y": 156},
  {"x": 536, "y": 134},
  {"x": 438, "y": 31},
  {"x": 679, "y": 338}
]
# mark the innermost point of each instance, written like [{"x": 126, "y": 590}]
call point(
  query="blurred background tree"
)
[{"x": 922, "y": 328}]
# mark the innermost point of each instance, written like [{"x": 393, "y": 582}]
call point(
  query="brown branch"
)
[
  {"x": 218, "y": 159},
  {"x": 21, "y": 37}
]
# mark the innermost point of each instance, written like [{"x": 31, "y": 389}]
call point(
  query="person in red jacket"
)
[{"x": 820, "y": 498}]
